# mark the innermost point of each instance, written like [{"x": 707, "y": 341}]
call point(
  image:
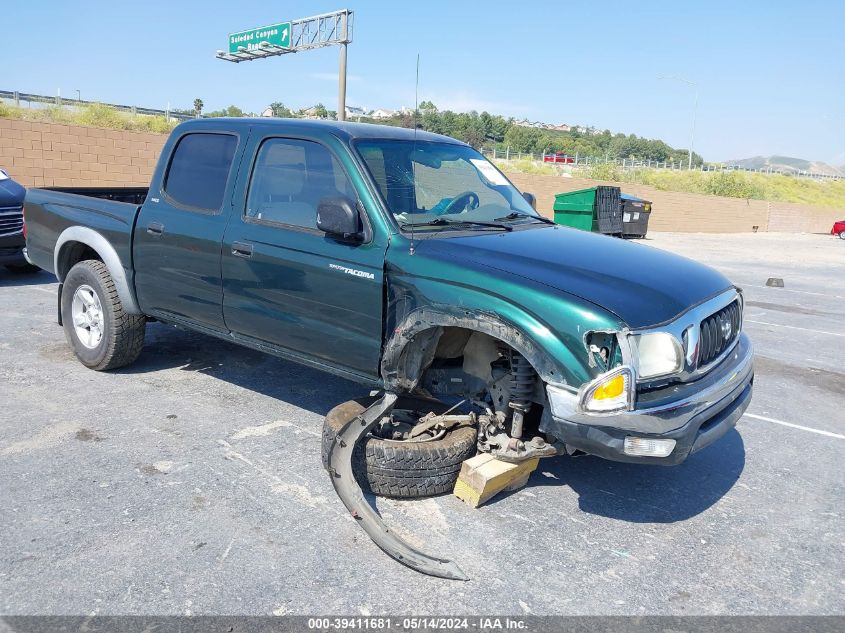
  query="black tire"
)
[
  {"x": 22, "y": 269},
  {"x": 403, "y": 470},
  {"x": 122, "y": 334},
  {"x": 842, "y": 235}
]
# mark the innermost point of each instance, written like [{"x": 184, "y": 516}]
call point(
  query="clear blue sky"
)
[{"x": 770, "y": 73}]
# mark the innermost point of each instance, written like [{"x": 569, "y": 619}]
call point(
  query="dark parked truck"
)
[
  {"x": 407, "y": 262},
  {"x": 11, "y": 225}
]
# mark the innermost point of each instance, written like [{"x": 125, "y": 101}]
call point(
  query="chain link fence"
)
[{"x": 577, "y": 161}]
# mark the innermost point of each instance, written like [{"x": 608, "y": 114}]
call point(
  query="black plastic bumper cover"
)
[
  {"x": 11, "y": 249},
  {"x": 343, "y": 480}
]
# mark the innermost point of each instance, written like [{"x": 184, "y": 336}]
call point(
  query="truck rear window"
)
[{"x": 199, "y": 169}]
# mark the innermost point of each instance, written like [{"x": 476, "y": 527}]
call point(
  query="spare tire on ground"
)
[{"x": 402, "y": 469}]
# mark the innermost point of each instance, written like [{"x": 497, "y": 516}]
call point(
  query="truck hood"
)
[
  {"x": 11, "y": 193},
  {"x": 643, "y": 286}
]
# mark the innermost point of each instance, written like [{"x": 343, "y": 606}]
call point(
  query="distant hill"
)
[{"x": 787, "y": 164}]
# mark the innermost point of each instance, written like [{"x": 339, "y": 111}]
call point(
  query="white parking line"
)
[
  {"x": 803, "y": 292},
  {"x": 757, "y": 286},
  {"x": 792, "y": 327},
  {"x": 795, "y": 426}
]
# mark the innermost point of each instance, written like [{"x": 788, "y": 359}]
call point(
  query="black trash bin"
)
[{"x": 635, "y": 215}]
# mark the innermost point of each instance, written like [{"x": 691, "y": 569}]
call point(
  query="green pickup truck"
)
[{"x": 407, "y": 262}]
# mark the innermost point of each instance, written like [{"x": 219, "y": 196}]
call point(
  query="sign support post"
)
[{"x": 341, "y": 75}]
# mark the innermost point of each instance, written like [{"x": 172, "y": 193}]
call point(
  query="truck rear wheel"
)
[
  {"x": 103, "y": 336},
  {"x": 403, "y": 469}
]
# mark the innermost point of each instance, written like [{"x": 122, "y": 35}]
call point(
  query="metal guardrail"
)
[
  {"x": 18, "y": 97},
  {"x": 577, "y": 161}
]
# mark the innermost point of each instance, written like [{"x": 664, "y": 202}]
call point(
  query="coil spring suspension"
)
[{"x": 522, "y": 387}]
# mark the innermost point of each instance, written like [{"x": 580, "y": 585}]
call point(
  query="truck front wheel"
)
[
  {"x": 403, "y": 469},
  {"x": 103, "y": 336}
]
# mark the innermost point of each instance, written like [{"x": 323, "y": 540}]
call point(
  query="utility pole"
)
[{"x": 694, "y": 85}]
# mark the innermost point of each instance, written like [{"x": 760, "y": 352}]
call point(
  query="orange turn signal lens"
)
[
  {"x": 613, "y": 388},
  {"x": 610, "y": 392}
]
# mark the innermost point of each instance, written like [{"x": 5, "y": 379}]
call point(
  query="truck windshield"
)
[{"x": 426, "y": 183}]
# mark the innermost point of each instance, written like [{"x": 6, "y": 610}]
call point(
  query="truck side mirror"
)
[
  {"x": 531, "y": 199},
  {"x": 339, "y": 217}
]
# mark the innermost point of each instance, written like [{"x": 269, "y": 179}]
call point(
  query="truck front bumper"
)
[
  {"x": 11, "y": 249},
  {"x": 695, "y": 414}
]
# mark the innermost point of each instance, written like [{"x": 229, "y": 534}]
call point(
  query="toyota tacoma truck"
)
[{"x": 407, "y": 262}]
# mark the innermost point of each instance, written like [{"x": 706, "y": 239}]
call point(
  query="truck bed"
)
[
  {"x": 109, "y": 211},
  {"x": 132, "y": 195}
]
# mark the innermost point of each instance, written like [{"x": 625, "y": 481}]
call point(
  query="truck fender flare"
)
[
  {"x": 111, "y": 259},
  {"x": 411, "y": 348},
  {"x": 347, "y": 488}
]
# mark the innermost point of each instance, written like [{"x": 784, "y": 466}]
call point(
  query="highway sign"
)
[{"x": 275, "y": 34}]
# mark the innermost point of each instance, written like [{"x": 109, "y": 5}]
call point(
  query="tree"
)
[
  {"x": 232, "y": 110},
  {"x": 280, "y": 110},
  {"x": 320, "y": 111},
  {"x": 524, "y": 139},
  {"x": 198, "y": 106},
  {"x": 428, "y": 106}
]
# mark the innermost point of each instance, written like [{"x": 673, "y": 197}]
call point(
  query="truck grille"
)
[
  {"x": 717, "y": 332},
  {"x": 11, "y": 220}
]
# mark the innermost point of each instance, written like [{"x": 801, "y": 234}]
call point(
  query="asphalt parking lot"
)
[{"x": 190, "y": 483}]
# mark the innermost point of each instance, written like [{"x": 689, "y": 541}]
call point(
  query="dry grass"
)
[
  {"x": 735, "y": 184},
  {"x": 94, "y": 115}
]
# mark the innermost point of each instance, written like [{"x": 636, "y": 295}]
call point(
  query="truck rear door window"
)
[
  {"x": 199, "y": 170},
  {"x": 290, "y": 178}
]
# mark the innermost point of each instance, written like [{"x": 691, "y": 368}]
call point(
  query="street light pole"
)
[{"x": 694, "y": 113}]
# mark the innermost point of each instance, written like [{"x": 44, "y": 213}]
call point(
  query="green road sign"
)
[{"x": 275, "y": 34}]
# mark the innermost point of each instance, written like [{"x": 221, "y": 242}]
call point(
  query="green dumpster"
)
[{"x": 596, "y": 209}]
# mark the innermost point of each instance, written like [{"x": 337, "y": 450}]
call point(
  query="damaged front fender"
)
[{"x": 411, "y": 349}]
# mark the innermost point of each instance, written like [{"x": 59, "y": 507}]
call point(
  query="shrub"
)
[
  {"x": 603, "y": 171},
  {"x": 732, "y": 184}
]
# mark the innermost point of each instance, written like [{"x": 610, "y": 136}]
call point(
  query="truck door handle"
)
[
  {"x": 155, "y": 228},
  {"x": 242, "y": 249}
]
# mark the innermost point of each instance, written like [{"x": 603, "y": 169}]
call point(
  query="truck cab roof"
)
[{"x": 346, "y": 130}]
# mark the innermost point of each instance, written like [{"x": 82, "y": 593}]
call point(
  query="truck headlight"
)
[
  {"x": 658, "y": 354},
  {"x": 612, "y": 391}
]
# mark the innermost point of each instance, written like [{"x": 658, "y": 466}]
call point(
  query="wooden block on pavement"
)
[{"x": 483, "y": 476}]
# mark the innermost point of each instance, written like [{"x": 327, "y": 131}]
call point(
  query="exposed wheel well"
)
[
  {"x": 71, "y": 254},
  {"x": 462, "y": 362}
]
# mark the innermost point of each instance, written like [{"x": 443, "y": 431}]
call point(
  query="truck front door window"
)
[{"x": 290, "y": 178}]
